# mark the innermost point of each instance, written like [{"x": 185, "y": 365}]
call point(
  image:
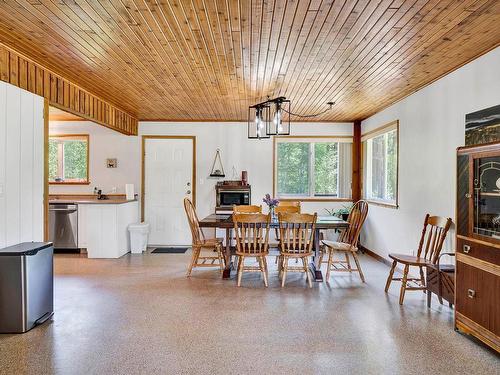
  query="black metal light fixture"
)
[
  {"x": 280, "y": 116},
  {"x": 258, "y": 121},
  {"x": 272, "y": 117}
]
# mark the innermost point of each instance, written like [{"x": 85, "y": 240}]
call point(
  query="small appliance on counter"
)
[
  {"x": 230, "y": 193},
  {"x": 26, "y": 286}
]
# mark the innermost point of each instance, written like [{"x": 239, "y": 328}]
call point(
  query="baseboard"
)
[{"x": 375, "y": 255}]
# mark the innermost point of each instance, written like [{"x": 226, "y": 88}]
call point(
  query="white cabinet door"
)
[{"x": 168, "y": 172}]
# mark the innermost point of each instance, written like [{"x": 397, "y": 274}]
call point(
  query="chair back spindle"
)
[
  {"x": 252, "y": 233},
  {"x": 356, "y": 218},
  {"x": 433, "y": 236},
  {"x": 296, "y": 232},
  {"x": 194, "y": 224}
]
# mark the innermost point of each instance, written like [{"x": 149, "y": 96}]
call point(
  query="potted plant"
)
[{"x": 342, "y": 212}]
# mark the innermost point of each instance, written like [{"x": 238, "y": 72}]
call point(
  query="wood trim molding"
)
[
  {"x": 22, "y": 72},
  {"x": 87, "y": 181},
  {"x": 45, "y": 169},
  {"x": 481, "y": 242},
  {"x": 470, "y": 327},
  {"x": 395, "y": 205},
  {"x": 478, "y": 263},
  {"x": 306, "y": 199},
  {"x": 143, "y": 154},
  {"x": 356, "y": 162},
  {"x": 375, "y": 255},
  {"x": 380, "y": 129}
]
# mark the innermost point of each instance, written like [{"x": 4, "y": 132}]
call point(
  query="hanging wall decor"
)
[
  {"x": 482, "y": 126},
  {"x": 217, "y": 170}
]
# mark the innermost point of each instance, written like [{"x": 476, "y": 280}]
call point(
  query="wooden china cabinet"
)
[{"x": 477, "y": 290}]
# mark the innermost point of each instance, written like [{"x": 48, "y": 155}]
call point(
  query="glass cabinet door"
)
[{"x": 486, "y": 187}]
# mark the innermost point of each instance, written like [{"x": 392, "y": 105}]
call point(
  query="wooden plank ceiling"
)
[{"x": 211, "y": 59}]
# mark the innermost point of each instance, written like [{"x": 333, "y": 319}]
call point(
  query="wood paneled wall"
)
[
  {"x": 21, "y": 166},
  {"x": 28, "y": 75}
]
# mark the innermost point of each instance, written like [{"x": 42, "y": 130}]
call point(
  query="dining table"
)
[{"x": 225, "y": 222}]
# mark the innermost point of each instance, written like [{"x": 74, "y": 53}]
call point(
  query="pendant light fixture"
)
[
  {"x": 280, "y": 124},
  {"x": 258, "y": 123},
  {"x": 272, "y": 117}
]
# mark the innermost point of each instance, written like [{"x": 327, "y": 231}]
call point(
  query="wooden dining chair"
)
[
  {"x": 430, "y": 245},
  {"x": 199, "y": 243},
  {"x": 252, "y": 236},
  {"x": 297, "y": 237},
  {"x": 347, "y": 243},
  {"x": 290, "y": 207},
  {"x": 247, "y": 209}
]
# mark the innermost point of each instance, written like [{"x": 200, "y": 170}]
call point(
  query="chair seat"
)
[
  {"x": 339, "y": 246},
  {"x": 410, "y": 260}
]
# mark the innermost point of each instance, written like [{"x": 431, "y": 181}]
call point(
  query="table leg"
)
[
  {"x": 227, "y": 271},
  {"x": 314, "y": 266}
]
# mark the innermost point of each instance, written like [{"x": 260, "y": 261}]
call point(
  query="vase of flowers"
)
[{"x": 272, "y": 203}]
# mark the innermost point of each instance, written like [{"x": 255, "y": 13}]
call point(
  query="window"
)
[
  {"x": 313, "y": 168},
  {"x": 68, "y": 159},
  {"x": 380, "y": 164}
]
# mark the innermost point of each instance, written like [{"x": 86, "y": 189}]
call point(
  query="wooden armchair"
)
[
  {"x": 431, "y": 242},
  {"x": 297, "y": 237},
  {"x": 199, "y": 243},
  {"x": 252, "y": 236},
  {"x": 347, "y": 243}
]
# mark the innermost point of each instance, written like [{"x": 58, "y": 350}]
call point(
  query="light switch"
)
[{"x": 1, "y": 190}]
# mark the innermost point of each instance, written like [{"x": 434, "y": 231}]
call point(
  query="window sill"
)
[
  {"x": 69, "y": 183},
  {"x": 382, "y": 204},
  {"x": 312, "y": 199}
]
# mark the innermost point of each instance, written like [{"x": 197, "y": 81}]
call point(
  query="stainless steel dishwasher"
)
[{"x": 63, "y": 225}]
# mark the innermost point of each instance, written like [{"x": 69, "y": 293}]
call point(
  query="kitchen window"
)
[
  {"x": 380, "y": 164},
  {"x": 313, "y": 168},
  {"x": 69, "y": 159}
]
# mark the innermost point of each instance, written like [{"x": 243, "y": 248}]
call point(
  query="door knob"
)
[
  {"x": 188, "y": 184},
  {"x": 188, "y": 192},
  {"x": 468, "y": 195}
]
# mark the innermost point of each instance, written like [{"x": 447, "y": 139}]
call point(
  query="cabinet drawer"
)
[
  {"x": 479, "y": 251},
  {"x": 477, "y": 296}
]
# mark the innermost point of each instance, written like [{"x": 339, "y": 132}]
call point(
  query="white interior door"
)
[{"x": 168, "y": 178}]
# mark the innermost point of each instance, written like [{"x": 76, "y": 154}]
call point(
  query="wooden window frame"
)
[
  {"x": 372, "y": 134},
  {"x": 305, "y": 138},
  {"x": 76, "y": 136}
]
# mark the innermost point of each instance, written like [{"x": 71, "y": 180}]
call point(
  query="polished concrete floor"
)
[{"x": 141, "y": 315}]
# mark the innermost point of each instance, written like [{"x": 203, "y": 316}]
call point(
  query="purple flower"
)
[{"x": 271, "y": 202}]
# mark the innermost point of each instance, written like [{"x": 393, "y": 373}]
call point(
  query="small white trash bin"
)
[{"x": 138, "y": 237}]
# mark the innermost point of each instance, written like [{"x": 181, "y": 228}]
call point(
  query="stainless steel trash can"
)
[{"x": 26, "y": 286}]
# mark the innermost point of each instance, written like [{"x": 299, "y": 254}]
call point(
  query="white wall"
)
[
  {"x": 237, "y": 151},
  {"x": 254, "y": 156},
  {"x": 104, "y": 143},
  {"x": 21, "y": 166},
  {"x": 432, "y": 123}
]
